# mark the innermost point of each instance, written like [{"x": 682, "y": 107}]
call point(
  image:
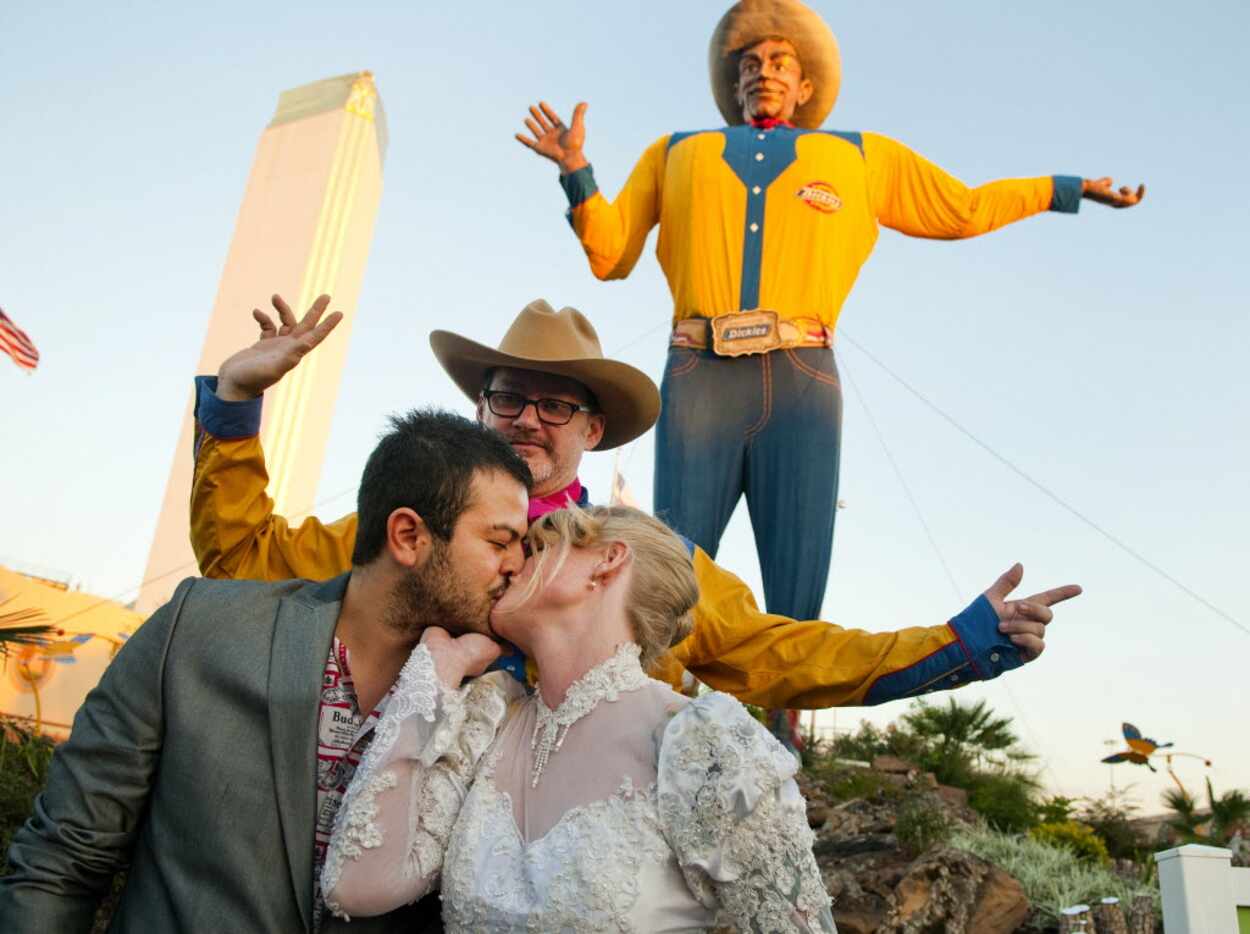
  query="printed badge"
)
[{"x": 820, "y": 196}]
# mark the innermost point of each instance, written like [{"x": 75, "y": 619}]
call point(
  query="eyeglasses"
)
[{"x": 549, "y": 411}]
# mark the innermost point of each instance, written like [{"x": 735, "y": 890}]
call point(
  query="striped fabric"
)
[{"x": 16, "y": 344}]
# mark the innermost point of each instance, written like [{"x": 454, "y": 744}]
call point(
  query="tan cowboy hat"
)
[
  {"x": 565, "y": 343},
  {"x": 746, "y": 23}
]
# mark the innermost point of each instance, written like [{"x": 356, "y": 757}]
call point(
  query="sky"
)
[{"x": 1102, "y": 355}]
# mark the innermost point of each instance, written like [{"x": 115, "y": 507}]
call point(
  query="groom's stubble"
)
[{"x": 435, "y": 595}]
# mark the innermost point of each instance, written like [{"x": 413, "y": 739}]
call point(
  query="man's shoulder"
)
[{"x": 204, "y": 592}]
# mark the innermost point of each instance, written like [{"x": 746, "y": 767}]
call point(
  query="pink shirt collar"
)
[{"x": 541, "y": 505}]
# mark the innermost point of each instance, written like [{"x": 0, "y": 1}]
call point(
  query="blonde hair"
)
[{"x": 663, "y": 591}]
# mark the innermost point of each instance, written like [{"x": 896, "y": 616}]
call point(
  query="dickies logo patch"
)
[{"x": 820, "y": 196}]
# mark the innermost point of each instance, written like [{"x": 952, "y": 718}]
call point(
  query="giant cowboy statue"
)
[{"x": 764, "y": 225}]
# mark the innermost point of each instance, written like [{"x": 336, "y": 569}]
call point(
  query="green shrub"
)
[
  {"x": 869, "y": 741},
  {"x": 920, "y": 825},
  {"x": 1005, "y": 800},
  {"x": 848, "y": 782},
  {"x": 1111, "y": 818},
  {"x": 1076, "y": 837},
  {"x": 1051, "y": 877},
  {"x": 1056, "y": 809},
  {"x": 24, "y": 758}
]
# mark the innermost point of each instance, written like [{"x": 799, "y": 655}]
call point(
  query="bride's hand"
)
[{"x": 459, "y": 657}]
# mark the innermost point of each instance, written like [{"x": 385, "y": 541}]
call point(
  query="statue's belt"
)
[{"x": 749, "y": 332}]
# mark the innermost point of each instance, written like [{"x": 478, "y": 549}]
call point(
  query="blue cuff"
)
[
  {"x": 579, "y": 186},
  {"x": 513, "y": 664},
  {"x": 227, "y": 421},
  {"x": 1066, "y": 198},
  {"x": 979, "y": 653},
  {"x": 988, "y": 651}
]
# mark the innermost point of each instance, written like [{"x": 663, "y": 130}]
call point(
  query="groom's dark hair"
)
[{"x": 426, "y": 462}]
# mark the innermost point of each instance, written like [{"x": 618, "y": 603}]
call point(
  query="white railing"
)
[{"x": 1202, "y": 892}]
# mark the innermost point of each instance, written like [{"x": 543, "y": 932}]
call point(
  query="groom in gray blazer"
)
[{"x": 194, "y": 760}]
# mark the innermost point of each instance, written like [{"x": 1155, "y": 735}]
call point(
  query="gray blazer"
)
[{"x": 194, "y": 761}]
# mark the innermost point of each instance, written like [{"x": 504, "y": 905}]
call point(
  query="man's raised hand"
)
[
  {"x": 248, "y": 373},
  {"x": 555, "y": 141},
  {"x": 1101, "y": 190},
  {"x": 1024, "y": 621}
]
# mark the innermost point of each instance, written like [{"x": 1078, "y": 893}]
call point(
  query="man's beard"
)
[
  {"x": 434, "y": 595},
  {"x": 541, "y": 469}
]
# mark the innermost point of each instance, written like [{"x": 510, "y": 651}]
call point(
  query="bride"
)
[{"x": 604, "y": 801}]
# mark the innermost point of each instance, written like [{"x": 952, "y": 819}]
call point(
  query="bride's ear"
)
[{"x": 615, "y": 557}]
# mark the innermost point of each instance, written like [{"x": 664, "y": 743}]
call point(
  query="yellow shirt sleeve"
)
[
  {"x": 774, "y": 661},
  {"x": 235, "y": 533},
  {"x": 613, "y": 234},
  {"x": 912, "y": 195}
]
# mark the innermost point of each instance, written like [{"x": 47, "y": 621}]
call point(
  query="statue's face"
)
[{"x": 770, "y": 81}]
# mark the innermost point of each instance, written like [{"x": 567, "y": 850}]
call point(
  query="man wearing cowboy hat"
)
[
  {"x": 549, "y": 390},
  {"x": 764, "y": 225}
]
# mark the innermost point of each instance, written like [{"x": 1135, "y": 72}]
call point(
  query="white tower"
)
[{"x": 304, "y": 228}]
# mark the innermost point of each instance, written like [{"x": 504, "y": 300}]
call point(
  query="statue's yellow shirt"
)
[{"x": 783, "y": 219}]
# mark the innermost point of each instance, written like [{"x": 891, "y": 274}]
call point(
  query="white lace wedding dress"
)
[{"x": 628, "y": 808}]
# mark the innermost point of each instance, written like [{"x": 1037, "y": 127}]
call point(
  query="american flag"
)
[{"x": 16, "y": 344}]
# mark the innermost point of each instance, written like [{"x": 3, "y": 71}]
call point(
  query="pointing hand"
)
[{"x": 1025, "y": 620}]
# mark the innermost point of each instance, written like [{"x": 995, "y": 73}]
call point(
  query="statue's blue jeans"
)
[{"x": 767, "y": 425}]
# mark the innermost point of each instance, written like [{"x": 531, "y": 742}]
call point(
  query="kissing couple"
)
[{"x": 324, "y": 741}]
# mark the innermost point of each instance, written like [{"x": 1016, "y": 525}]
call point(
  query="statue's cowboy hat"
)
[
  {"x": 750, "y": 21},
  {"x": 564, "y": 343}
]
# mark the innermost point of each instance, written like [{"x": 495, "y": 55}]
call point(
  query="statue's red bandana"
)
[{"x": 821, "y": 196}]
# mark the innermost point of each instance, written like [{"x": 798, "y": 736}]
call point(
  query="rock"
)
[
  {"x": 1002, "y": 905},
  {"x": 893, "y": 764},
  {"x": 865, "y": 921},
  {"x": 855, "y": 911},
  {"x": 860, "y": 816},
  {"x": 956, "y": 796},
  {"x": 929, "y": 780},
  {"x": 842, "y": 847},
  {"x": 955, "y": 892},
  {"x": 817, "y": 814}
]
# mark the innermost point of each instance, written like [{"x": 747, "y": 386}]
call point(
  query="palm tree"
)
[
  {"x": 1227, "y": 813},
  {"x": 963, "y": 734},
  {"x": 22, "y": 627},
  {"x": 1185, "y": 822}
]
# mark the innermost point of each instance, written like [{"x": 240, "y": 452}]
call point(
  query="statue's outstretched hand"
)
[
  {"x": 1100, "y": 190},
  {"x": 248, "y": 373},
  {"x": 1024, "y": 621},
  {"x": 555, "y": 141}
]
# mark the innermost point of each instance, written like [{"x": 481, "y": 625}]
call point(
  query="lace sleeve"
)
[
  {"x": 394, "y": 821},
  {"x": 735, "y": 819}
]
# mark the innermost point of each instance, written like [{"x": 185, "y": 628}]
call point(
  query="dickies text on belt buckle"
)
[{"x": 745, "y": 332}]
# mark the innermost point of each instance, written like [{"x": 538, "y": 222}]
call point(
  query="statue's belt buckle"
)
[{"x": 745, "y": 332}]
